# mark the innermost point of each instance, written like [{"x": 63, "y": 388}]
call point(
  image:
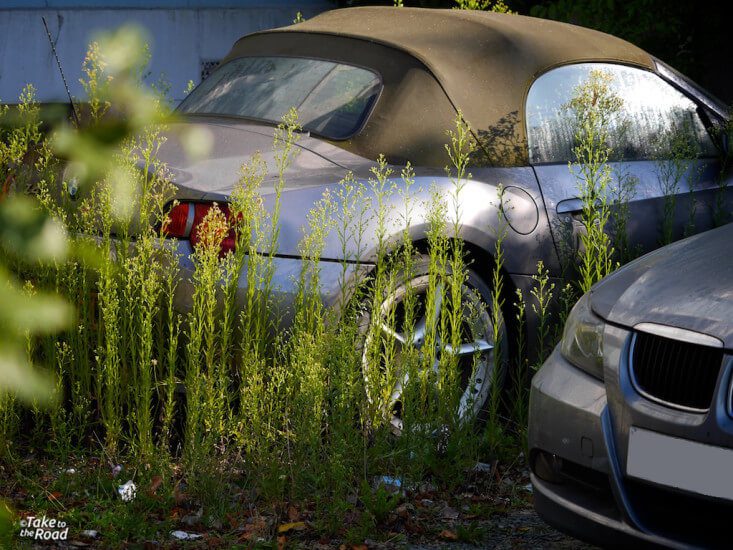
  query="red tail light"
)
[
  {"x": 178, "y": 218},
  {"x": 184, "y": 222}
]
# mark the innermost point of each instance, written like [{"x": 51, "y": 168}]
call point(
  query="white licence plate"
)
[{"x": 680, "y": 463}]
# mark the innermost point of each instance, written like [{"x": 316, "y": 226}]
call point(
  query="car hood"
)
[
  {"x": 233, "y": 143},
  {"x": 688, "y": 285}
]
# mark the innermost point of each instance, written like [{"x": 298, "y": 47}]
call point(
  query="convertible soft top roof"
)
[{"x": 483, "y": 61}]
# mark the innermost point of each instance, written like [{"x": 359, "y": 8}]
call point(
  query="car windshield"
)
[{"x": 332, "y": 99}]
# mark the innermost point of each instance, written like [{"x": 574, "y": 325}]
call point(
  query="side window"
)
[{"x": 651, "y": 112}]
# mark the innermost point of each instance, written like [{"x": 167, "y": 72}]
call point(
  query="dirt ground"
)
[{"x": 492, "y": 509}]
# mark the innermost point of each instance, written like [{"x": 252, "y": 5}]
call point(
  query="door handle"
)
[{"x": 570, "y": 206}]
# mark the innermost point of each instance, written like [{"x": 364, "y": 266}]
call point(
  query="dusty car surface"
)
[
  {"x": 631, "y": 418},
  {"x": 372, "y": 81}
]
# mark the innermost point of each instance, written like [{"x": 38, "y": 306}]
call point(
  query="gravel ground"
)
[{"x": 518, "y": 529}]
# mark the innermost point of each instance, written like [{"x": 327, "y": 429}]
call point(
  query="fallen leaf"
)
[
  {"x": 155, "y": 484},
  {"x": 446, "y": 534},
  {"x": 281, "y": 540},
  {"x": 403, "y": 511},
  {"x": 359, "y": 547},
  {"x": 254, "y": 527},
  {"x": 294, "y": 526},
  {"x": 233, "y": 521},
  {"x": 247, "y": 536},
  {"x": 293, "y": 513},
  {"x": 413, "y": 527},
  {"x": 54, "y": 496},
  {"x": 178, "y": 495}
]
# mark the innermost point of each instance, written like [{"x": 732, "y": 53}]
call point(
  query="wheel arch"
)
[
  {"x": 479, "y": 258},
  {"x": 484, "y": 263}
]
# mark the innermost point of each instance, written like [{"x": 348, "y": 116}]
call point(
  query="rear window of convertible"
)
[{"x": 333, "y": 99}]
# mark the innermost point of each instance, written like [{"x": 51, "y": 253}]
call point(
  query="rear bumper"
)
[{"x": 335, "y": 279}]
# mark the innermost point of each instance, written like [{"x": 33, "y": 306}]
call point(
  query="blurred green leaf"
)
[
  {"x": 23, "y": 313},
  {"x": 197, "y": 141},
  {"x": 123, "y": 49},
  {"x": 20, "y": 378},
  {"x": 28, "y": 233}
]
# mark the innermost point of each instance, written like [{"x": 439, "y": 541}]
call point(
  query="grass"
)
[
  {"x": 676, "y": 151},
  {"x": 593, "y": 109},
  {"x": 220, "y": 409}
]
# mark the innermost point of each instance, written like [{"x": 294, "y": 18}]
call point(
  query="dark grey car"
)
[
  {"x": 371, "y": 81},
  {"x": 631, "y": 418}
]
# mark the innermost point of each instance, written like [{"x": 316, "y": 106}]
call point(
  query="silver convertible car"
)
[
  {"x": 631, "y": 418},
  {"x": 383, "y": 81}
]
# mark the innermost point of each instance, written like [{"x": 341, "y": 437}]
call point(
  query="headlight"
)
[{"x": 582, "y": 339}]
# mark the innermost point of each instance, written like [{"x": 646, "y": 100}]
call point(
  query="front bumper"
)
[{"x": 585, "y": 493}]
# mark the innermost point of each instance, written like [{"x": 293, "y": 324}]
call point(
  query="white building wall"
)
[{"x": 180, "y": 40}]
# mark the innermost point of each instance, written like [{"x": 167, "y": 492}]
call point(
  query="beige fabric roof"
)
[{"x": 484, "y": 61}]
